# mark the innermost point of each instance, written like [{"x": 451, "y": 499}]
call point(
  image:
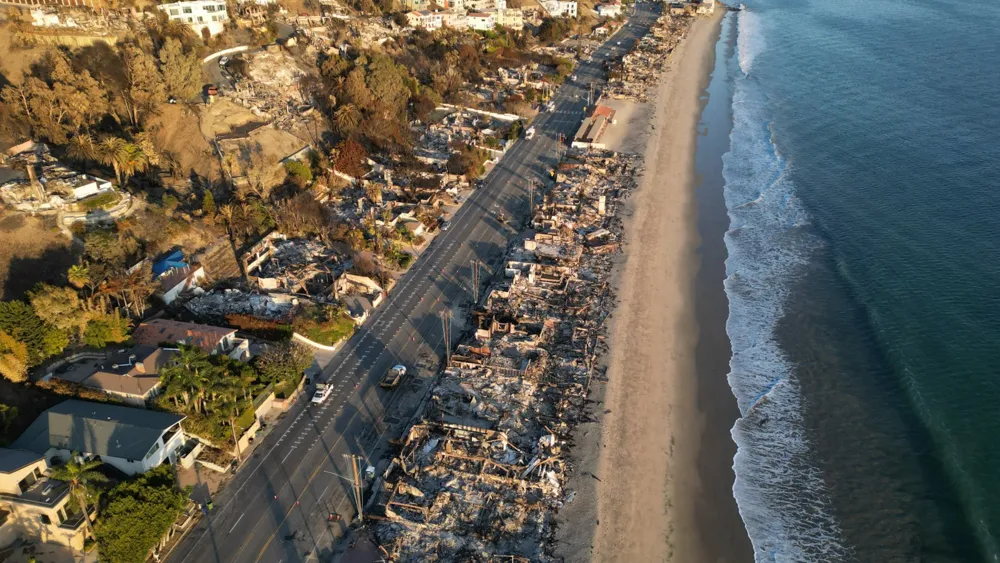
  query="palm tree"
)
[
  {"x": 81, "y": 147},
  {"x": 229, "y": 405},
  {"x": 187, "y": 377},
  {"x": 112, "y": 151},
  {"x": 83, "y": 481},
  {"x": 347, "y": 118},
  {"x": 78, "y": 275}
]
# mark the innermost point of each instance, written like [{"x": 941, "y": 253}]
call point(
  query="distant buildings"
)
[
  {"x": 132, "y": 440},
  {"x": 481, "y": 21},
  {"x": 609, "y": 9},
  {"x": 482, "y": 15},
  {"x": 425, "y": 19},
  {"x": 560, "y": 8},
  {"x": 510, "y": 18},
  {"x": 200, "y": 15}
]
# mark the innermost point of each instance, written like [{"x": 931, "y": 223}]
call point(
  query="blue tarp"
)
[{"x": 173, "y": 260}]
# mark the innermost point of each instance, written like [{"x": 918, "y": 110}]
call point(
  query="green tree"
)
[
  {"x": 60, "y": 307},
  {"x": 106, "y": 329},
  {"x": 56, "y": 101},
  {"x": 20, "y": 322},
  {"x": 8, "y": 414},
  {"x": 301, "y": 173},
  {"x": 142, "y": 86},
  {"x": 138, "y": 513},
  {"x": 13, "y": 358},
  {"x": 356, "y": 91},
  {"x": 208, "y": 204},
  {"x": 285, "y": 361},
  {"x": 181, "y": 71},
  {"x": 105, "y": 247},
  {"x": 186, "y": 379},
  {"x": 83, "y": 482}
]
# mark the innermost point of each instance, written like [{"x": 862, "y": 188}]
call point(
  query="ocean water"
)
[{"x": 863, "y": 190}]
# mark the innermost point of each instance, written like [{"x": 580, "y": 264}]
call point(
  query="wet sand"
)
[{"x": 654, "y": 474}]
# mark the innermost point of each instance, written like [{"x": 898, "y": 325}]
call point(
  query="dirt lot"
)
[
  {"x": 32, "y": 251},
  {"x": 177, "y": 133}
]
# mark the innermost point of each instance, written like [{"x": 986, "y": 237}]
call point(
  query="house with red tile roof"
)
[{"x": 212, "y": 339}]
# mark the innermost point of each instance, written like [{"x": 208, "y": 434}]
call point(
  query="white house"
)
[
  {"x": 609, "y": 9},
  {"x": 455, "y": 19},
  {"x": 481, "y": 21},
  {"x": 706, "y": 7},
  {"x": 199, "y": 15},
  {"x": 425, "y": 19},
  {"x": 179, "y": 280},
  {"x": 560, "y": 8},
  {"x": 132, "y": 440}
]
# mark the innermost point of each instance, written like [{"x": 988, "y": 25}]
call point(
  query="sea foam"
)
[{"x": 779, "y": 489}]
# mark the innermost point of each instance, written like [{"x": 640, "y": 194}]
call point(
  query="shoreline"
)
[{"x": 647, "y": 482}]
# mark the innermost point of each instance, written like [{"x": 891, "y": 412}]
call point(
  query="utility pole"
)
[
  {"x": 475, "y": 282},
  {"x": 446, "y": 327},
  {"x": 531, "y": 200},
  {"x": 590, "y": 96},
  {"x": 356, "y": 474}
]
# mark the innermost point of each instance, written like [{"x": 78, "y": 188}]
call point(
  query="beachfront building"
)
[
  {"x": 34, "y": 507},
  {"x": 481, "y": 21},
  {"x": 560, "y": 8},
  {"x": 132, "y": 440},
  {"x": 203, "y": 16},
  {"x": 590, "y": 131},
  {"x": 425, "y": 19},
  {"x": 706, "y": 7}
]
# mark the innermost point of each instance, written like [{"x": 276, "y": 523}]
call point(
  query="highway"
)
[{"x": 275, "y": 509}]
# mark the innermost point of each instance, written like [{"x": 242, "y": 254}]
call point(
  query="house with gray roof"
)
[{"x": 132, "y": 440}]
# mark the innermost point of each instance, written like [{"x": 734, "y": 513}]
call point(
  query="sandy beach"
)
[{"x": 651, "y": 484}]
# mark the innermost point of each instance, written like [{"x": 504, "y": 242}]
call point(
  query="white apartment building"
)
[
  {"x": 560, "y": 8},
  {"x": 425, "y": 19},
  {"x": 199, "y": 15},
  {"x": 481, "y": 21},
  {"x": 512, "y": 18}
]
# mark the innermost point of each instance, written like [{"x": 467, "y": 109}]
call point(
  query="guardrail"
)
[{"x": 224, "y": 52}]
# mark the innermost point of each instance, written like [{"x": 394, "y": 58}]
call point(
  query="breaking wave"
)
[{"x": 779, "y": 490}]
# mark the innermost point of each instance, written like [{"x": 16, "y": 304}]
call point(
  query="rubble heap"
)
[
  {"x": 638, "y": 72},
  {"x": 480, "y": 478}
]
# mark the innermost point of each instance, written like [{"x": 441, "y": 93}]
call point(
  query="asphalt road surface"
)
[{"x": 276, "y": 508}]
